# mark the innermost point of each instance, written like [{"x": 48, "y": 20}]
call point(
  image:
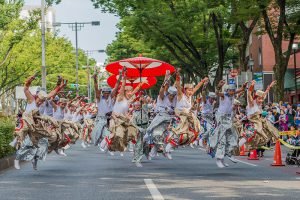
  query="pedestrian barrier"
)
[
  {"x": 253, "y": 155},
  {"x": 277, "y": 156}
]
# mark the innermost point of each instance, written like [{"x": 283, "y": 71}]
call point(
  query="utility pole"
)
[
  {"x": 89, "y": 86},
  {"x": 76, "y": 40},
  {"x": 77, "y": 26},
  {"x": 89, "y": 77},
  {"x": 43, "y": 46}
]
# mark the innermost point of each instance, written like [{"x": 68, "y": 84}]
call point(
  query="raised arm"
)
[
  {"x": 164, "y": 86},
  {"x": 63, "y": 84},
  {"x": 219, "y": 89},
  {"x": 121, "y": 94},
  {"x": 241, "y": 89},
  {"x": 250, "y": 94},
  {"x": 269, "y": 88},
  {"x": 29, "y": 96},
  {"x": 178, "y": 85},
  {"x": 115, "y": 89},
  {"x": 137, "y": 88},
  {"x": 97, "y": 91},
  {"x": 199, "y": 85},
  {"x": 53, "y": 105},
  {"x": 204, "y": 92}
]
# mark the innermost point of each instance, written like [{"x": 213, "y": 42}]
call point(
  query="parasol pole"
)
[{"x": 141, "y": 70}]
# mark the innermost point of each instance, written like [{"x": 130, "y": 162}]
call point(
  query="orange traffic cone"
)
[
  {"x": 242, "y": 151},
  {"x": 277, "y": 155},
  {"x": 253, "y": 155}
]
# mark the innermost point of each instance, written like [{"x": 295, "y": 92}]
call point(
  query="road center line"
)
[
  {"x": 153, "y": 190},
  {"x": 246, "y": 163}
]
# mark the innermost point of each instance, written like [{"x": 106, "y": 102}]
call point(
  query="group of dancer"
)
[{"x": 183, "y": 114}]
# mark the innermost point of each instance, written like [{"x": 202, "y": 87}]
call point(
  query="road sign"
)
[
  {"x": 258, "y": 77},
  {"x": 74, "y": 85}
]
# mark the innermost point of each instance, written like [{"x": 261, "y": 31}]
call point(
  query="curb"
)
[{"x": 7, "y": 162}]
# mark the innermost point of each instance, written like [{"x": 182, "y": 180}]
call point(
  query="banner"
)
[{"x": 258, "y": 77}]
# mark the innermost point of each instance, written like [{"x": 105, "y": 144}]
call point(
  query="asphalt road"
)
[{"x": 88, "y": 174}]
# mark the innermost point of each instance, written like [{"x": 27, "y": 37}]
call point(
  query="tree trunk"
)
[
  {"x": 243, "y": 58},
  {"x": 279, "y": 72}
]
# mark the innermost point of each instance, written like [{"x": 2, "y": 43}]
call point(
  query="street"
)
[{"x": 88, "y": 174}]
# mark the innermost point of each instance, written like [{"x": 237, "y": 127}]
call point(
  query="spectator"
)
[
  {"x": 297, "y": 117},
  {"x": 291, "y": 115},
  {"x": 276, "y": 116},
  {"x": 283, "y": 121},
  {"x": 270, "y": 116}
]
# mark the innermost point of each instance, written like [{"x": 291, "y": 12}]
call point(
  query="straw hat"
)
[
  {"x": 259, "y": 93},
  {"x": 212, "y": 95},
  {"x": 172, "y": 90},
  {"x": 63, "y": 100},
  {"x": 236, "y": 102},
  {"x": 188, "y": 86},
  {"x": 42, "y": 95}
]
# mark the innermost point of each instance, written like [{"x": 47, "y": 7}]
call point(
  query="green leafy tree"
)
[{"x": 281, "y": 23}]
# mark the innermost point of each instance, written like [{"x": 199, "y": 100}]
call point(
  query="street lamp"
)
[
  {"x": 77, "y": 26},
  {"x": 89, "y": 52},
  {"x": 250, "y": 65},
  {"x": 295, "y": 48}
]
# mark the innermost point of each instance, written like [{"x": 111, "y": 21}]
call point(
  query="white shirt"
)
[
  {"x": 254, "y": 109},
  {"x": 121, "y": 107},
  {"x": 226, "y": 104},
  {"x": 59, "y": 114},
  {"x": 185, "y": 103},
  {"x": 104, "y": 106},
  {"x": 30, "y": 107},
  {"x": 207, "y": 107},
  {"x": 165, "y": 104}
]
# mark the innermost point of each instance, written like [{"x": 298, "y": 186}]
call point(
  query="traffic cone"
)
[
  {"x": 242, "y": 151},
  {"x": 253, "y": 155},
  {"x": 277, "y": 155}
]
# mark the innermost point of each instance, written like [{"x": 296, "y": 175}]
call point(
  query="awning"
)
[{"x": 289, "y": 79}]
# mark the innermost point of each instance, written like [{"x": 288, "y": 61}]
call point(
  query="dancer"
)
[
  {"x": 224, "y": 138},
  {"x": 105, "y": 99},
  {"x": 27, "y": 151},
  {"x": 166, "y": 103},
  {"x": 264, "y": 130},
  {"x": 141, "y": 119},
  {"x": 188, "y": 126},
  {"x": 122, "y": 130},
  {"x": 208, "y": 114}
]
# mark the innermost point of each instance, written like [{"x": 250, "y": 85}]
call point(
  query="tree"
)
[
  {"x": 178, "y": 28},
  {"x": 246, "y": 14},
  {"x": 279, "y": 28}
]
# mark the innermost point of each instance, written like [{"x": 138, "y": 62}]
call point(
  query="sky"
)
[{"x": 90, "y": 37}]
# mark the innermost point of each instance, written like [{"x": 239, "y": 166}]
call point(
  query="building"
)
[
  {"x": 260, "y": 49},
  {"x": 50, "y": 16}
]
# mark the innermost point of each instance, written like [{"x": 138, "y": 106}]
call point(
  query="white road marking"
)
[
  {"x": 246, "y": 163},
  {"x": 153, "y": 190}
]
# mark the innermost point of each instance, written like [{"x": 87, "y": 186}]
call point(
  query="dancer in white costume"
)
[
  {"x": 166, "y": 102},
  {"x": 224, "y": 138},
  {"x": 188, "y": 126},
  {"x": 105, "y": 100},
  {"x": 27, "y": 151},
  {"x": 121, "y": 128}
]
